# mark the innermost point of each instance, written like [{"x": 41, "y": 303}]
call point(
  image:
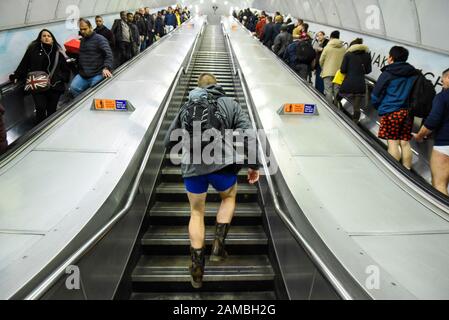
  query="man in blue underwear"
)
[{"x": 209, "y": 108}]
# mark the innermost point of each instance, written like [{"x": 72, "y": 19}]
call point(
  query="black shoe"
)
[
  {"x": 197, "y": 268},
  {"x": 219, "y": 253}
]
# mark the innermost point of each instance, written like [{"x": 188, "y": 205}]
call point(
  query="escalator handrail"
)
[
  {"x": 43, "y": 287},
  {"x": 234, "y": 68},
  {"x": 30, "y": 137},
  {"x": 419, "y": 186}
]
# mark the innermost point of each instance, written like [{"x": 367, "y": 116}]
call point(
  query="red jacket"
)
[
  {"x": 3, "y": 141},
  {"x": 259, "y": 27}
]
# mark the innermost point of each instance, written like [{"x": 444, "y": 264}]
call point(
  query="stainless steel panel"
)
[
  {"x": 418, "y": 261},
  {"x": 33, "y": 188},
  {"x": 302, "y": 134},
  {"x": 13, "y": 246},
  {"x": 348, "y": 204},
  {"x": 161, "y": 72},
  {"x": 97, "y": 131}
]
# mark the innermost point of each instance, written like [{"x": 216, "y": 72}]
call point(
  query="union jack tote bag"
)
[
  {"x": 40, "y": 81},
  {"x": 37, "y": 81}
]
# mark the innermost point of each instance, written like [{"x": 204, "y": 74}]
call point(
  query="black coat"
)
[
  {"x": 36, "y": 58},
  {"x": 150, "y": 23},
  {"x": 268, "y": 35},
  {"x": 276, "y": 30},
  {"x": 159, "y": 26},
  {"x": 105, "y": 32},
  {"x": 356, "y": 65}
]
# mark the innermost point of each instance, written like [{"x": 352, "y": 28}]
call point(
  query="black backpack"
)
[
  {"x": 305, "y": 52},
  {"x": 421, "y": 97},
  {"x": 206, "y": 112}
]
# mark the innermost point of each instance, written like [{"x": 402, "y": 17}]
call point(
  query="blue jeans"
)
[{"x": 80, "y": 84}]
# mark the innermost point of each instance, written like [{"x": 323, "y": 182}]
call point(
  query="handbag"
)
[
  {"x": 339, "y": 78},
  {"x": 40, "y": 81}
]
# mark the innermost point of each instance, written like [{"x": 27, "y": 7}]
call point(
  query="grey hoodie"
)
[{"x": 234, "y": 117}]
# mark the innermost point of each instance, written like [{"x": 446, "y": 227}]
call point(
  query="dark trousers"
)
[
  {"x": 46, "y": 104},
  {"x": 319, "y": 83},
  {"x": 303, "y": 70},
  {"x": 150, "y": 40},
  {"x": 124, "y": 52}
]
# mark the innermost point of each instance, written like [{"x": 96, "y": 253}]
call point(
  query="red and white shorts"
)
[{"x": 396, "y": 126}]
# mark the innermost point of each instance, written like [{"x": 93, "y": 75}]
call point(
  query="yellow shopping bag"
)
[{"x": 339, "y": 78}]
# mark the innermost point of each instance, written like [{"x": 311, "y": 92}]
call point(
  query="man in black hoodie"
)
[{"x": 101, "y": 29}]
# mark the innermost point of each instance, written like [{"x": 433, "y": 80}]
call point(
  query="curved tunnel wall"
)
[
  {"x": 21, "y": 13},
  {"x": 421, "y": 23}
]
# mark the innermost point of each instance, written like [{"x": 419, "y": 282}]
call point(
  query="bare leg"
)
[
  {"x": 439, "y": 164},
  {"x": 394, "y": 150},
  {"x": 407, "y": 154},
  {"x": 228, "y": 204},
  {"x": 197, "y": 228}
]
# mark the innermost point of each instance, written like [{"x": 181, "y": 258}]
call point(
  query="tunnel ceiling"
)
[
  {"x": 18, "y": 13},
  {"x": 417, "y": 22}
]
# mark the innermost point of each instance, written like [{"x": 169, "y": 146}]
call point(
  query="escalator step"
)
[
  {"x": 179, "y": 236},
  {"x": 182, "y": 209},
  {"x": 176, "y": 269},
  {"x": 179, "y": 188},
  {"x": 242, "y": 296}
]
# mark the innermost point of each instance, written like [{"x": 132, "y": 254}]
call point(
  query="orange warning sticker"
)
[
  {"x": 299, "y": 108},
  {"x": 294, "y": 108},
  {"x": 105, "y": 104},
  {"x": 234, "y": 27}
]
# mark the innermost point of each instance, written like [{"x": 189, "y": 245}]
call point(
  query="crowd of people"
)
[
  {"x": 101, "y": 50},
  {"x": 401, "y": 93}
]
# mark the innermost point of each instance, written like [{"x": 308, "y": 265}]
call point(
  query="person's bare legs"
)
[
  {"x": 197, "y": 233},
  {"x": 224, "y": 219},
  {"x": 407, "y": 154},
  {"x": 197, "y": 228},
  {"x": 228, "y": 204},
  {"x": 439, "y": 164},
  {"x": 394, "y": 150}
]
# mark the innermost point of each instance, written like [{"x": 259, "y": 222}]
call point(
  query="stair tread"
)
[
  {"x": 172, "y": 170},
  {"x": 176, "y": 188},
  {"x": 176, "y": 269},
  {"x": 180, "y": 209},
  {"x": 179, "y": 235},
  {"x": 193, "y": 296}
]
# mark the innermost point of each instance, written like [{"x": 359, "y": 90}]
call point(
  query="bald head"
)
[{"x": 206, "y": 79}]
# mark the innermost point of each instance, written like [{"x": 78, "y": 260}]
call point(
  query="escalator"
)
[{"x": 162, "y": 270}]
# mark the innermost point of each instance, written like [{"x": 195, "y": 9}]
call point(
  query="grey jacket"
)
[
  {"x": 234, "y": 118},
  {"x": 281, "y": 42}
]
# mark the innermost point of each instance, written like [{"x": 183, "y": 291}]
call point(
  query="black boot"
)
[
  {"x": 218, "y": 249},
  {"x": 197, "y": 268}
]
